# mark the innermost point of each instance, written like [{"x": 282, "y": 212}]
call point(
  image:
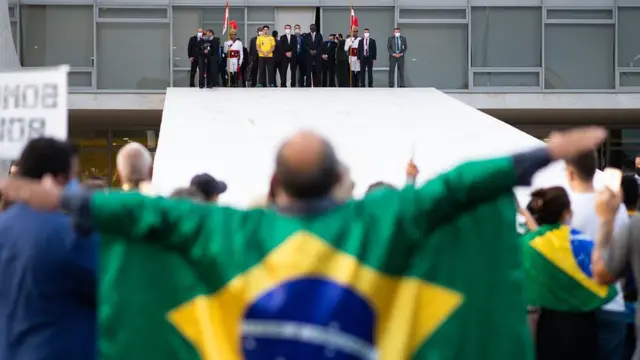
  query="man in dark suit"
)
[
  {"x": 192, "y": 53},
  {"x": 288, "y": 44},
  {"x": 216, "y": 52},
  {"x": 397, "y": 47},
  {"x": 277, "y": 57},
  {"x": 342, "y": 65},
  {"x": 253, "y": 58},
  {"x": 367, "y": 54},
  {"x": 329, "y": 62},
  {"x": 312, "y": 45}
]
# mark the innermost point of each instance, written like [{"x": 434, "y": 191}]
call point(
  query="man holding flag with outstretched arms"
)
[
  {"x": 351, "y": 47},
  {"x": 233, "y": 49}
]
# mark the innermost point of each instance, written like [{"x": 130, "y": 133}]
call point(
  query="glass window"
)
[
  {"x": 261, "y": 14},
  {"x": 80, "y": 79},
  {"x": 14, "y": 33},
  {"x": 12, "y": 11},
  {"x": 217, "y": 14},
  {"x": 380, "y": 78},
  {"x": 628, "y": 30},
  {"x": 578, "y": 14},
  {"x": 95, "y": 163},
  {"x": 148, "y": 138},
  {"x": 624, "y": 147},
  {"x": 433, "y": 14},
  {"x": 499, "y": 79},
  {"x": 506, "y": 37},
  {"x": 88, "y": 139},
  {"x": 132, "y": 13},
  {"x": 186, "y": 22},
  {"x": 379, "y": 21},
  {"x": 574, "y": 63},
  {"x": 629, "y": 79},
  {"x": 437, "y": 56},
  {"x": 133, "y": 56},
  {"x": 55, "y": 34}
]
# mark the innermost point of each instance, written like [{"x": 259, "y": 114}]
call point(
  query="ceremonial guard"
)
[
  {"x": 351, "y": 46},
  {"x": 235, "y": 56}
]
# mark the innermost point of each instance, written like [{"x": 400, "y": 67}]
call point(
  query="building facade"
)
[{"x": 537, "y": 64}]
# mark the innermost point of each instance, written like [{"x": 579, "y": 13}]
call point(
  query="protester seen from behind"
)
[
  {"x": 47, "y": 271},
  {"x": 558, "y": 280}
]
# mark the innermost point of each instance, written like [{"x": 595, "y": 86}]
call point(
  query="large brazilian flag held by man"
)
[{"x": 433, "y": 272}]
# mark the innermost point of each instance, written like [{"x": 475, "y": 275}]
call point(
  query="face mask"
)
[
  {"x": 397, "y": 34},
  {"x": 366, "y": 35},
  {"x": 287, "y": 31},
  {"x": 199, "y": 35}
]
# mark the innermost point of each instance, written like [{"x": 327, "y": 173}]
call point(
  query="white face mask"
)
[
  {"x": 397, "y": 34},
  {"x": 199, "y": 35},
  {"x": 366, "y": 35},
  {"x": 287, "y": 31}
]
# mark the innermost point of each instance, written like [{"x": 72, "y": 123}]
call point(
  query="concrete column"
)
[{"x": 8, "y": 56}]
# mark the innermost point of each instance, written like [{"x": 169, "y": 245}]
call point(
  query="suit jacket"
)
[
  {"x": 341, "y": 55},
  {"x": 308, "y": 44},
  {"x": 253, "y": 50},
  {"x": 277, "y": 51},
  {"x": 329, "y": 49},
  {"x": 391, "y": 45},
  {"x": 373, "y": 50},
  {"x": 193, "y": 48},
  {"x": 289, "y": 45}
]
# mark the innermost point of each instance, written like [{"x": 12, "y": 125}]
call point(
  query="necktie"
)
[
  {"x": 398, "y": 44},
  {"x": 366, "y": 47}
]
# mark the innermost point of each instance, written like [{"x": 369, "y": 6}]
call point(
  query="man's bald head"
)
[
  {"x": 134, "y": 162},
  {"x": 307, "y": 166}
]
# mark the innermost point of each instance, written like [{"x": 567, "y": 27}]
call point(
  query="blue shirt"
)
[{"x": 48, "y": 281}]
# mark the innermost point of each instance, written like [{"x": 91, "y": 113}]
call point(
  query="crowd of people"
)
[
  {"x": 579, "y": 252},
  {"x": 300, "y": 59}
]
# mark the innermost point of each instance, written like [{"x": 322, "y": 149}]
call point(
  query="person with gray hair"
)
[{"x": 134, "y": 164}]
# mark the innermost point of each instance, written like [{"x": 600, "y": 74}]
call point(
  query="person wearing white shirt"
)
[
  {"x": 351, "y": 47},
  {"x": 611, "y": 317}
]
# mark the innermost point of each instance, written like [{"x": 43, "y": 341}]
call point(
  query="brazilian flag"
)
[
  {"x": 557, "y": 262},
  {"x": 427, "y": 273}
]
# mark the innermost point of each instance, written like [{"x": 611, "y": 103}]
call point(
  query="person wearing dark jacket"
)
[
  {"x": 312, "y": 45},
  {"x": 277, "y": 57},
  {"x": 192, "y": 53},
  {"x": 244, "y": 67},
  {"x": 289, "y": 49},
  {"x": 342, "y": 65},
  {"x": 205, "y": 60},
  {"x": 300, "y": 57},
  {"x": 329, "y": 62},
  {"x": 253, "y": 58},
  {"x": 48, "y": 273},
  {"x": 367, "y": 55}
]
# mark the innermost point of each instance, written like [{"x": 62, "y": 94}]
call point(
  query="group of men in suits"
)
[
  {"x": 215, "y": 62},
  {"x": 306, "y": 59}
]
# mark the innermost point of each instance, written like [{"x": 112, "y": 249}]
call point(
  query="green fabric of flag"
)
[
  {"x": 433, "y": 272},
  {"x": 557, "y": 262}
]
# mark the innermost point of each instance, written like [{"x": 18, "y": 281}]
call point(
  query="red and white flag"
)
[
  {"x": 226, "y": 19},
  {"x": 354, "y": 19}
]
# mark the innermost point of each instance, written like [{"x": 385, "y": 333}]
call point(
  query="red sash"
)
[
  {"x": 353, "y": 52},
  {"x": 234, "y": 54}
]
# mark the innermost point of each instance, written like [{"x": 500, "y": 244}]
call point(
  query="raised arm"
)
[{"x": 469, "y": 185}]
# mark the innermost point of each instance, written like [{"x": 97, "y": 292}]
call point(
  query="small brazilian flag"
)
[{"x": 558, "y": 274}]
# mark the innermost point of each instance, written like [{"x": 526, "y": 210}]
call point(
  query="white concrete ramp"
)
[{"x": 234, "y": 134}]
